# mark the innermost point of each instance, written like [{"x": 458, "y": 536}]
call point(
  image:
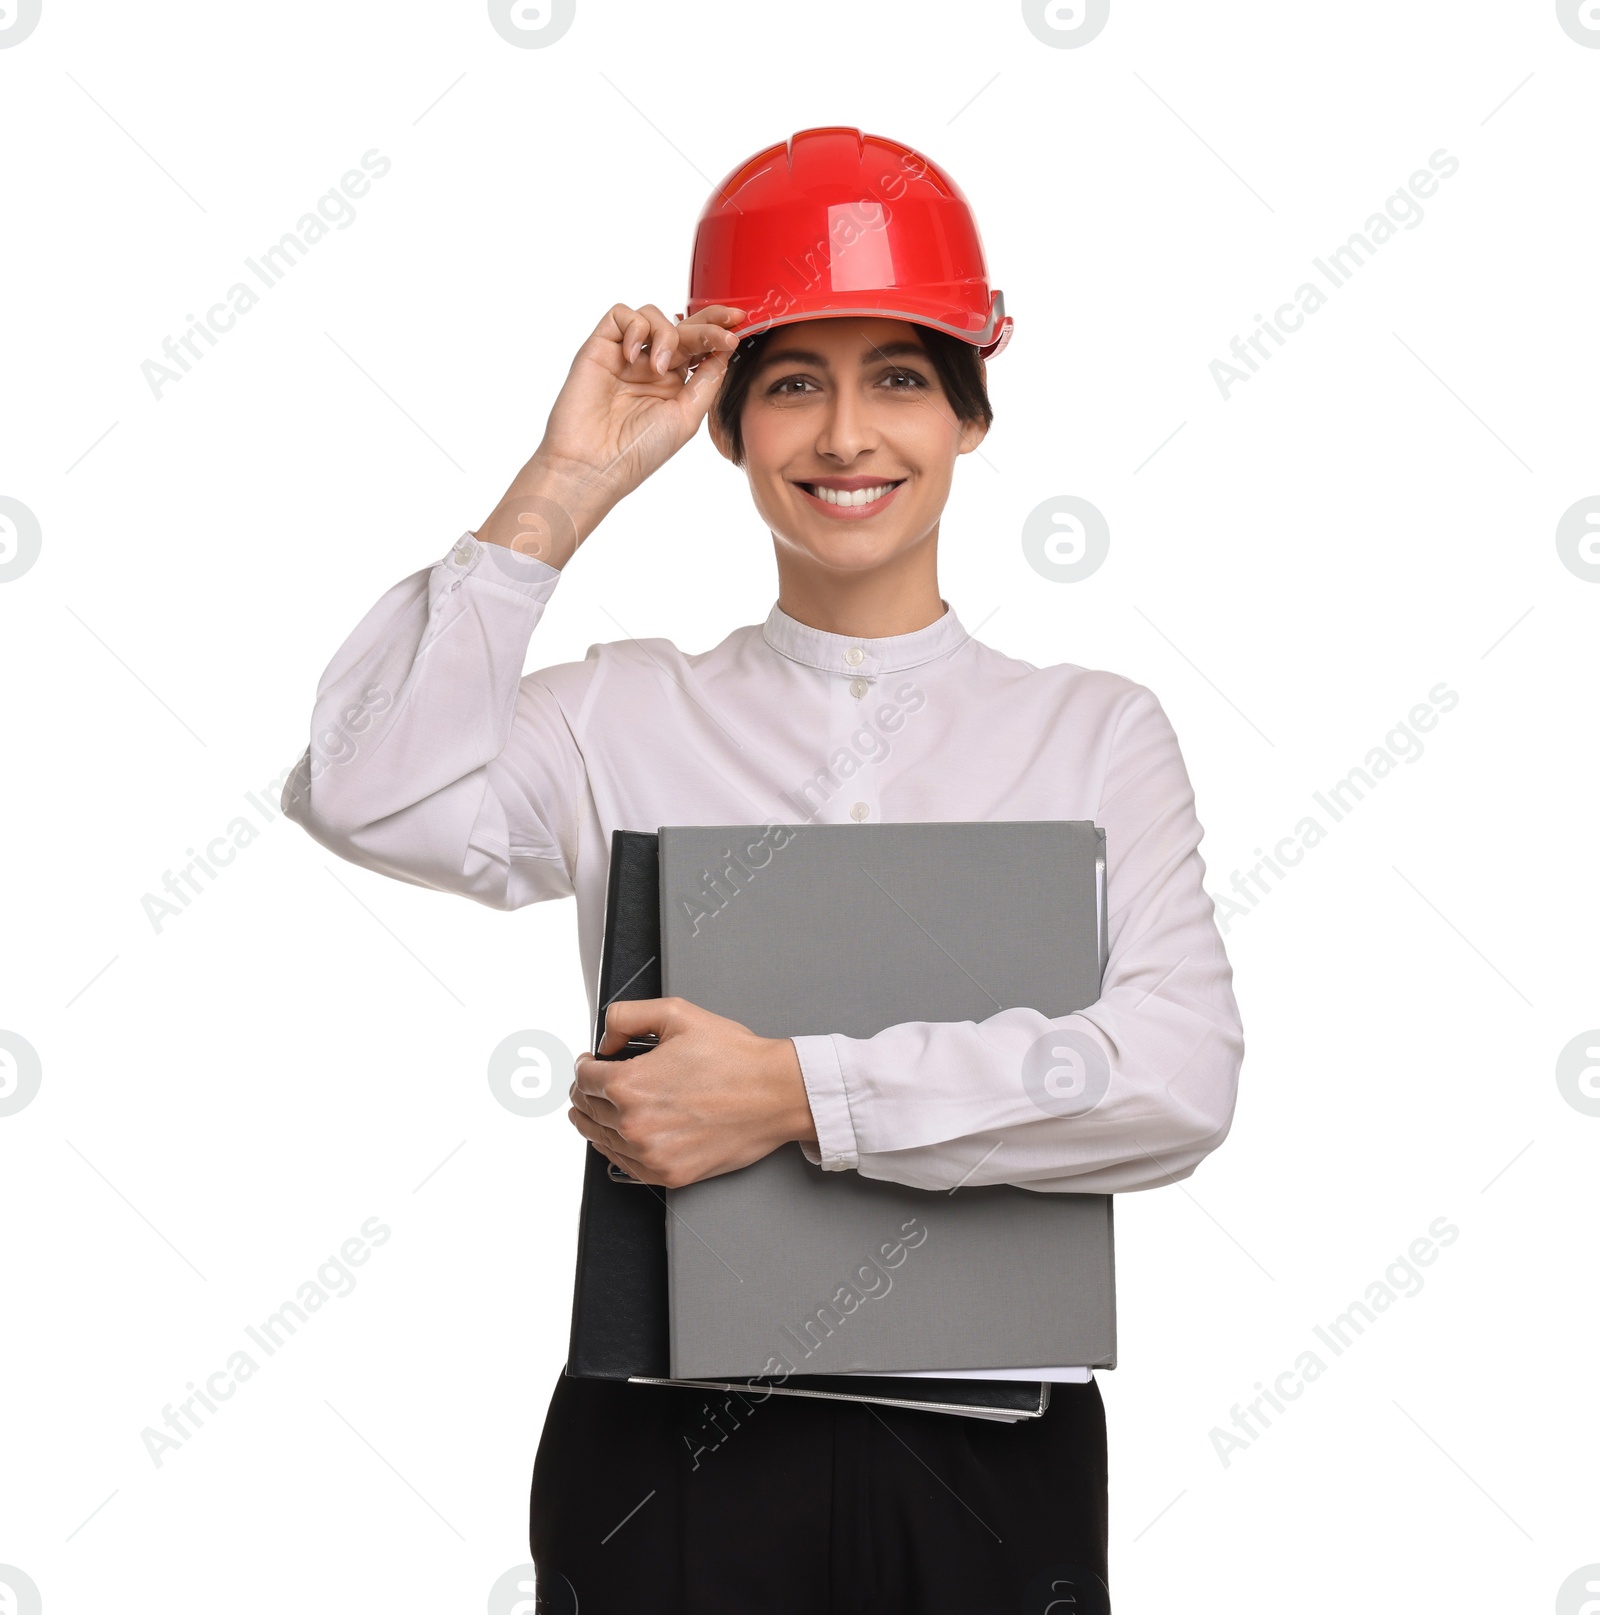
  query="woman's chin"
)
[
  {"x": 843, "y": 551},
  {"x": 842, "y": 546}
]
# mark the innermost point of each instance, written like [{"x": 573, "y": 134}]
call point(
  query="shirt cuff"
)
[
  {"x": 835, "y": 1149},
  {"x": 508, "y": 568}
]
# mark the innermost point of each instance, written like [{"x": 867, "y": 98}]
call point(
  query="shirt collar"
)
[{"x": 847, "y": 654}]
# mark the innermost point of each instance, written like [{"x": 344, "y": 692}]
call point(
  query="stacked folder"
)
[{"x": 787, "y": 1278}]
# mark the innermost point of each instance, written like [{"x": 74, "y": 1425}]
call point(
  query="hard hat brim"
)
[{"x": 989, "y": 340}]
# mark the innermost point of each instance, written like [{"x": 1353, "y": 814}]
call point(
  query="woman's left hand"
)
[{"x": 711, "y": 1097}]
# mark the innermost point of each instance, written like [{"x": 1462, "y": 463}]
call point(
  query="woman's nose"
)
[{"x": 847, "y": 430}]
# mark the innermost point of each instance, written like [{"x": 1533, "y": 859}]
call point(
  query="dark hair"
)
[{"x": 956, "y": 363}]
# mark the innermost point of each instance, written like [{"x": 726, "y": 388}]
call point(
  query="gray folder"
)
[{"x": 817, "y": 928}]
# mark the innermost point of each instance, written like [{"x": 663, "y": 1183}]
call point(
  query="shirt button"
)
[
  {"x": 855, "y": 656},
  {"x": 859, "y": 687},
  {"x": 859, "y": 811}
]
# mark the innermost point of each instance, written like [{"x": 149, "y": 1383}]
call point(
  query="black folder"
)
[{"x": 619, "y": 1302}]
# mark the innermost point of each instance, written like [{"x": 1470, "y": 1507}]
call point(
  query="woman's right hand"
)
[{"x": 628, "y": 405}]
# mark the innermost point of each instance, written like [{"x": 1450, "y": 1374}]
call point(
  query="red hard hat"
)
[{"x": 834, "y": 222}]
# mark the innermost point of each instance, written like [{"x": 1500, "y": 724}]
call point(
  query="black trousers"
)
[{"x": 684, "y": 1502}]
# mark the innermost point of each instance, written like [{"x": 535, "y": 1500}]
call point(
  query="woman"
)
[{"x": 835, "y": 344}]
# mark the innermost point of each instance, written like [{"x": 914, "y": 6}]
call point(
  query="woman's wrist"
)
[
  {"x": 547, "y": 512},
  {"x": 797, "y": 1124}
]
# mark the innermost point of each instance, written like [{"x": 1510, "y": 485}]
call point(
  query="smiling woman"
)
[
  {"x": 839, "y": 320},
  {"x": 848, "y": 429}
]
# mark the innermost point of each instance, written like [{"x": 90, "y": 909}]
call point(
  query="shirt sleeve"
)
[
  {"x": 412, "y": 770},
  {"x": 1130, "y": 1093}
]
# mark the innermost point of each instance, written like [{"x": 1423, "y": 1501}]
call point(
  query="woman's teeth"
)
[{"x": 858, "y": 496}]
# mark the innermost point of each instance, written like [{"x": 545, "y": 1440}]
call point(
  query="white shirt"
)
[{"x": 435, "y": 760}]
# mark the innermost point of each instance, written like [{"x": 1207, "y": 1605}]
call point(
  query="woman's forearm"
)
[{"x": 547, "y": 512}]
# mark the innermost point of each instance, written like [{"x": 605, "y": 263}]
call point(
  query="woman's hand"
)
[
  {"x": 630, "y": 403},
  {"x": 634, "y": 395},
  {"x": 711, "y": 1097}
]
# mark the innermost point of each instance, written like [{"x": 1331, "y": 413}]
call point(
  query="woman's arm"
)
[
  {"x": 411, "y": 769},
  {"x": 432, "y": 758},
  {"x": 940, "y": 1103}
]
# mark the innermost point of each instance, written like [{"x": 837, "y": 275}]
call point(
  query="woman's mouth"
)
[{"x": 850, "y": 504}]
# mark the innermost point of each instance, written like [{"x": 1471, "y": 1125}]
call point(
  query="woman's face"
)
[{"x": 841, "y": 405}]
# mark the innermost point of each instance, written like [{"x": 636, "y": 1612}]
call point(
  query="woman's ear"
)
[{"x": 972, "y": 434}]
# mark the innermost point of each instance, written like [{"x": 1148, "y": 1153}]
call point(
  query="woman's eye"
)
[{"x": 900, "y": 381}]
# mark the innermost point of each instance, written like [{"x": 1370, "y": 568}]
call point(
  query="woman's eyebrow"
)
[{"x": 889, "y": 350}]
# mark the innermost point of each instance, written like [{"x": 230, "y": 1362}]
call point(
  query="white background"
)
[{"x": 224, "y": 1102}]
